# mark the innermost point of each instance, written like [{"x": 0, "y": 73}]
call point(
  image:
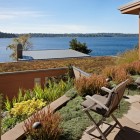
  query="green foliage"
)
[
  {"x": 20, "y": 96},
  {"x": 53, "y": 90},
  {"x": 127, "y": 57},
  {"x": 38, "y": 92},
  {"x": 132, "y": 88},
  {"x": 8, "y": 104},
  {"x": 71, "y": 93},
  {"x": 74, "y": 120},
  {"x": 90, "y": 85},
  {"x": 26, "y": 108},
  {"x": 78, "y": 46},
  {"x": 8, "y": 123},
  {"x": 28, "y": 94},
  {"x": 50, "y": 128},
  {"x": 23, "y": 40}
]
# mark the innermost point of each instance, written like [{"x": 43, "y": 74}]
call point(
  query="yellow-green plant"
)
[
  {"x": 38, "y": 92},
  {"x": 26, "y": 108},
  {"x": 20, "y": 96},
  {"x": 8, "y": 104}
]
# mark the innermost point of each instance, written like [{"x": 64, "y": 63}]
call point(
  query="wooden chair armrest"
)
[
  {"x": 96, "y": 101},
  {"x": 106, "y": 89}
]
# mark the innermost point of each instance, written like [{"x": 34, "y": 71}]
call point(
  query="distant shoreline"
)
[{"x": 13, "y": 35}]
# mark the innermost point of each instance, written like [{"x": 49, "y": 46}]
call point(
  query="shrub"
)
[
  {"x": 78, "y": 46},
  {"x": 116, "y": 73},
  {"x": 109, "y": 72},
  {"x": 90, "y": 85},
  {"x": 26, "y": 108},
  {"x": 128, "y": 57},
  {"x": 134, "y": 68},
  {"x": 120, "y": 75},
  {"x": 49, "y": 130}
]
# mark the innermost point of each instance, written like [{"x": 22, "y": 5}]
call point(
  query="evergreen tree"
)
[{"x": 78, "y": 46}]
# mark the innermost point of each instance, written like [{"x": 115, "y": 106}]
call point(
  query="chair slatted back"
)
[{"x": 116, "y": 96}]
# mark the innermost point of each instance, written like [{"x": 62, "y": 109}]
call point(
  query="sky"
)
[{"x": 65, "y": 16}]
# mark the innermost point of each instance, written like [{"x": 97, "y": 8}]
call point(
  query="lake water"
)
[{"x": 100, "y": 46}]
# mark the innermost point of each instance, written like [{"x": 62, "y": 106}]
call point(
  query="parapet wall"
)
[{"x": 10, "y": 82}]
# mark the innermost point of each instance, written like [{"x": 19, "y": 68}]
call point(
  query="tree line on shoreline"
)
[{"x": 12, "y": 35}]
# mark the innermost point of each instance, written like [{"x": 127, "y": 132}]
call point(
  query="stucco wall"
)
[{"x": 11, "y": 82}]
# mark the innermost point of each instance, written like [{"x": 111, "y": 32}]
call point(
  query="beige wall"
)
[{"x": 11, "y": 82}]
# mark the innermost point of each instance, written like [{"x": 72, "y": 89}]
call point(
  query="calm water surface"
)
[{"x": 101, "y": 46}]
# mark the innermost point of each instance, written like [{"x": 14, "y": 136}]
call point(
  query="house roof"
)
[
  {"x": 132, "y": 7},
  {"x": 52, "y": 54}
]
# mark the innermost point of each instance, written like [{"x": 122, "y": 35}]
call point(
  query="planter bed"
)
[{"x": 17, "y": 132}]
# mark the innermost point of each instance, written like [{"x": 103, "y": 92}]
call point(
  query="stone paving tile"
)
[
  {"x": 96, "y": 133},
  {"x": 133, "y": 99},
  {"x": 133, "y": 115},
  {"x": 136, "y": 105},
  {"x": 138, "y": 125}
]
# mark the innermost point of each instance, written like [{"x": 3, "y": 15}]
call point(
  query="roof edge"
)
[{"x": 128, "y": 5}]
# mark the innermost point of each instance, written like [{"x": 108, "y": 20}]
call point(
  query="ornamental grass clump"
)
[
  {"x": 116, "y": 73},
  {"x": 127, "y": 57},
  {"x": 134, "y": 68},
  {"x": 27, "y": 108},
  {"x": 48, "y": 128},
  {"x": 120, "y": 75},
  {"x": 90, "y": 85}
]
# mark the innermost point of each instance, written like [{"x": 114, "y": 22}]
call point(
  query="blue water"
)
[{"x": 101, "y": 46}]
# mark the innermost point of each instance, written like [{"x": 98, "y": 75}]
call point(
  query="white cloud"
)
[
  {"x": 47, "y": 29},
  {"x": 6, "y": 17},
  {"x": 8, "y": 14}
]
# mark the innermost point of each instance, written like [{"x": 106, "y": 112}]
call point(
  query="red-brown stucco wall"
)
[{"x": 11, "y": 82}]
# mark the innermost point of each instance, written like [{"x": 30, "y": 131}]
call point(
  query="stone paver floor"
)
[{"x": 130, "y": 122}]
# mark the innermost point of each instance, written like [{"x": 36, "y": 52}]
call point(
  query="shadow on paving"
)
[{"x": 128, "y": 134}]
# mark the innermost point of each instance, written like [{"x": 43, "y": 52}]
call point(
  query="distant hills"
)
[
  {"x": 7, "y": 35},
  {"x": 12, "y": 35}
]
